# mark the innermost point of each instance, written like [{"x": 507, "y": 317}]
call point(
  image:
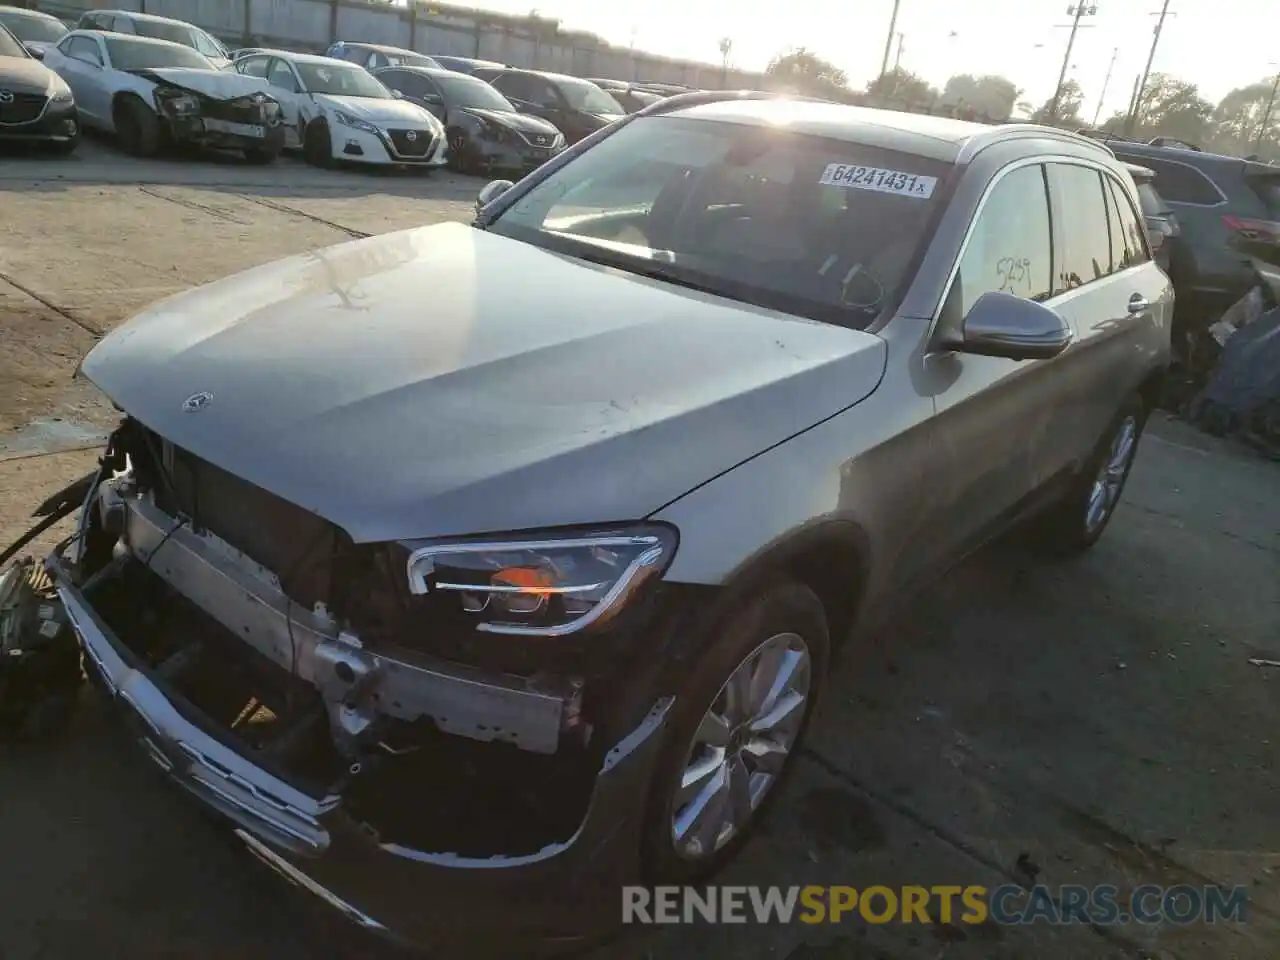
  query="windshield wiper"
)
[{"x": 652, "y": 271}]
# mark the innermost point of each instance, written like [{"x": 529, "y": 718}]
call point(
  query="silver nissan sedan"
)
[{"x": 500, "y": 565}]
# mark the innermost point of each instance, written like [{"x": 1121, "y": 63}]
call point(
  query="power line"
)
[
  {"x": 888, "y": 41},
  {"x": 1132, "y": 119},
  {"x": 1076, "y": 12}
]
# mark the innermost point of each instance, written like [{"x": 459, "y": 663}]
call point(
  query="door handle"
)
[{"x": 1139, "y": 304}]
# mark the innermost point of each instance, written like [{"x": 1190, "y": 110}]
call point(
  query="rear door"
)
[{"x": 1118, "y": 300}]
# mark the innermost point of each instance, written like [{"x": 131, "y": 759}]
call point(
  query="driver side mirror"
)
[
  {"x": 491, "y": 191},
  {"x": 35, "y": 52},
  {"x": 1002, "y": 325},
  {"x": 398, "y": 94}
]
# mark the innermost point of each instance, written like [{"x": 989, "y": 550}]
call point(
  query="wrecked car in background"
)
[{"x": 152, "y": 93}]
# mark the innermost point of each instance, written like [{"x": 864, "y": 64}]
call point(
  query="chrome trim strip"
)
[
  {"x": 297, "y": 877},
  {"x": 38, "y": 117}
]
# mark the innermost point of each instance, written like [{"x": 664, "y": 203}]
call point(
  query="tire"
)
[
  {"x": 138, "y": 129},
  {"x": 317, "y": 147},
  {"x": 261, "y": 156},
  {"x": 785, "y": 624},
  {"x": 1078, "y": 521}
]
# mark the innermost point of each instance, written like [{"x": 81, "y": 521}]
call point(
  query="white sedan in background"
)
[{"x": 335, "y": 110}]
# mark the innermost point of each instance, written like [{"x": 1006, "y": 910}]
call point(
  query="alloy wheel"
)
[
  {"x": 740, "y": 747},
  {"x": 1110, "y": 478}
]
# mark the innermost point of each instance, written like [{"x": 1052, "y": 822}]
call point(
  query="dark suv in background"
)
[
  {"x": 576, "y": 107},
  {"x": 1228, "y": 211}
]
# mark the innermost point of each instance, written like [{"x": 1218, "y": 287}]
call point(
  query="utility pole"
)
[
  {"x": 1266, "y": 115},
  {"x": 1132, "y": 119},
  {"x": 888, "y": 41},
  {"x": 1105, "y": 83},
  {"x": 1076, "y": 12},
  {"x": 897, "y": 60}
]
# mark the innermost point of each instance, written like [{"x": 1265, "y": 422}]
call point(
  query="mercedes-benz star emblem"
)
[
  {"x": 197, "y": 402},
  {"x": 6, "y": 96},
  {"x": 411, "y": 136}
]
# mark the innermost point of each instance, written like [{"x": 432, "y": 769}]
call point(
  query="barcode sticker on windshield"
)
[{"x": 879, "y": 180}]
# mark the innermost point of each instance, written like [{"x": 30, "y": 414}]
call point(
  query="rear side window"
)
[
  {"x": 1010, "y": 248},
  {"x": 1153, "y": 204},
  {"x": 1086, "y": 233},
  {"x": 1128, "y": 248},
  {"x": 1180, "y": 182}
]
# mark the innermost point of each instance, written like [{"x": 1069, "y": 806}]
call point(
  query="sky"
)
[{"x": 1217, "y": 44}]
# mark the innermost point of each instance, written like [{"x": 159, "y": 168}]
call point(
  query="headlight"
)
[
  {"x": 63, "y": 96},
  {"x": 558, "y": 142},
  {"x": 495, "y": 132},
  {"x": 543, "y": 587},
  {"x": 347, "y": 120},
  {"x": 178, "y": 104}
]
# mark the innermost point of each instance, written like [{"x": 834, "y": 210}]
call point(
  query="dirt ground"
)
[{"x": 1096, "y": 721}]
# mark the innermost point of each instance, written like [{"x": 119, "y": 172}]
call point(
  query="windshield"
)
[
  {"x": 822, "y": 228},
  {"x": 412, "y": 60},
  {"x": 9, "y": 47},
  {"x": 29, "y": 28},
  {"x": 463, "y": 91},
  {"x": 159, "y": 30},
  {"x": 130, "y": 54},
  {"x": 589, "y": 98},
  {"x": 341, "y": 80}
]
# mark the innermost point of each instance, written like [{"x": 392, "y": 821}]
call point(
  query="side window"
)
[
  {"x": 1181, "y": 182},
  {"x": 1121, "y": 255},
  {"x": 205, "y": 44},
  {"x": 122, "y": 25},
  {"x": 83, "y": 48},
  {"x": 253, "y": 66},
  {"x": 1131, "y": 225},
  {"x": 1010, "y": 249},
  {"x": 376, "y": 61},
  {"x": 1086, "y": 235},
  {"x": 281, "y": 75},
  {"x": 514, "y": 86},
  {"x": 544, "y": 95}
]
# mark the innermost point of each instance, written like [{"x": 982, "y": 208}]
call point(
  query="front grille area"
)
[
  {"x": 538, "y": 139},
  {"x": 23, "y": 108},
  {"x": 291, "y": 542},
  {"x": 419, "y": 146},
  {"x": 233, "y": 111}
]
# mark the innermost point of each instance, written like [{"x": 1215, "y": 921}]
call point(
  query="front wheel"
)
[
  {"x": 739, "y": 718},
  {"x": 317, "y": 147},
  {"x": 138, "y": 129},
  {"x": 1077, "y": 522}
]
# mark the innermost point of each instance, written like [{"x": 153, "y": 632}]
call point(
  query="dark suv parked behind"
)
[
  {"x": 576, "y": 107},
  {"x": 1228, "y": 210}
]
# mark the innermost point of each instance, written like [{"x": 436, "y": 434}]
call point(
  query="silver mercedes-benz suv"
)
[{"x": 503, "y": 562}]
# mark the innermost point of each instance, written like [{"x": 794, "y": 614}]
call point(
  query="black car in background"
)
[
  {"x": 376, "y": 56},
  {"x": 1228, "y": 212},
  {"x": 485, "y": 130},
  {"x": 36, "y": 105},
  {"x": 633, "y": 98},
  {"x": 466, "y": 64},
  {"x": 34, "y": 30},
  {"x": 576, "y": 107}
]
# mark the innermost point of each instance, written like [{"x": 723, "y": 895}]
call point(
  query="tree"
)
[
  {"x": 1070, "y": 100},
  {"x": 1238, "y": 121},
  {"x": 801, "y": 71},
  {"x": 1170, "y": 107},
  {"x": 990, "y": 95},
  {"x": 901, "y": 88}
]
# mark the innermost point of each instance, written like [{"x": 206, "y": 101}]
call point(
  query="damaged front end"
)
[
  {"x": 251, "y": 121},
  {"x": 270, "y": 665}
]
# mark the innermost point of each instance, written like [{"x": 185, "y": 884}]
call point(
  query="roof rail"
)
[
  {"x": 681, "y": 100},
  {"x": 1013, "y": 131}
]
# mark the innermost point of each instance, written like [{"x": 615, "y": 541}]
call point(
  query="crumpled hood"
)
[
  {"x": 379, "y": 111},
  {"x": 218, "y": 84},
  {"x": 24, "y": 75},
  {"x": 516, "y": 121},
  {"x": 445, "y": 381}
]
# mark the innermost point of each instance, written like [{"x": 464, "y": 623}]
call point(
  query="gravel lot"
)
[{"x": 1098, "y": 719}]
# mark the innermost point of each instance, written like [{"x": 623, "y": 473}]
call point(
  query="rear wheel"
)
[
  {"x": 317, "y": 147},
  {"x": 1079, "y": 520},
  {"x": 138, "y": 129},
  {"x": 738, "y": 719}
]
